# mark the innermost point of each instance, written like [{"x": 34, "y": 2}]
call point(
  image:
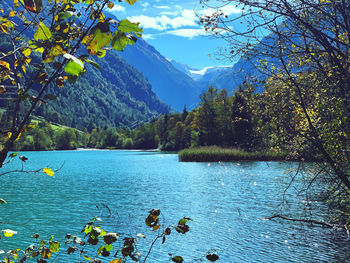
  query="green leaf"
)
[
  {"x": 127, "y": 27},
  {"x": 43, "y": 32},
  {"x": 54, "y": 246},
  {"x": 2, "y": 201},
  {"x": 13, "y": 155},
  {"x": 74, "y": 67},
  {"x": 131, "y": 40},
  {"x": 66, "y": 15},
  {"x": 101, "y": 38},
  {"x": 101, "y": 53},
  {"x": 87, "y": 229},
  {"x": 108, "y": 247},
  {"x": 93, "y": 63},
  {"x": 105, "y": 250},
  {"x": 182, "y": 221},
  {"x": 177, "y": 259},
  {"x": 36, "y": 46},
  {"x": 119, "y": 41}
]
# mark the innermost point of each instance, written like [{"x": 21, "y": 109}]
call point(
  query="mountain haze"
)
[{"x": 173, "y": 86}]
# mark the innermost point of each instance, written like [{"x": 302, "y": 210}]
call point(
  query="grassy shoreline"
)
[{"x": 216, "y": 154}]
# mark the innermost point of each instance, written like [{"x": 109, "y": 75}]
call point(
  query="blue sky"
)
[{"x": 171, "y": 27}]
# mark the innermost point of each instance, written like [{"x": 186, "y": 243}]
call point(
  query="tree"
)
[
  {"x": 300, "y": 36},
  {"x": 207, "y": 116},
  {"x": 66, "y": 35},
  {"x": 241, "y": 119}
]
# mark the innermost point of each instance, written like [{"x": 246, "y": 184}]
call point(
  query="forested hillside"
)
[{"x": 115, "y": 96}]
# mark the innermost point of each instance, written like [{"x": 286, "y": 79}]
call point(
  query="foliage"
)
[
  {"x": 66, "y": 35},
  {"x": 304, "y": 56},
  {"x": 96, "y": 245}
]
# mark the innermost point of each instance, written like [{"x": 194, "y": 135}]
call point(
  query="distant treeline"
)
[{"x": 247, "y": 120}]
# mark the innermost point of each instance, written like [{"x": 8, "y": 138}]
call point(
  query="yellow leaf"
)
[
  {"x": 117, "y": 260},
  {"x": 3, "y": 27},
  {"x": 27, "y": 61},
  {"x": 49, "y": 172},
  {"x": 110, "y": 5},
  {"x": 12, "y": 13},
  {"x": 131, "y": 2},
  {"x": 45, "y": 253},
  {"x": 9, "y": 134},
  {"x": 155, "y": 227},
  {"x": 9, "y": 232},
  {"x": 2, "y": 89},
  {"x": 4, "y": 64},
  {"x": 26, "y": 52},
  {"x": 87, "y": 258}
]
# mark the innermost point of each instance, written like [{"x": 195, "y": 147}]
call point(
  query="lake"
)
[{"x": 227, "y": 202}]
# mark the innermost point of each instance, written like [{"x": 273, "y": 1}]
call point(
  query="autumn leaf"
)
[
  {"x": 131, "y": 2},
  {"x": 49, "y": 172},
  {"x": 155, "y": 227},
  {"x": 5, "y": 65},
  {"x": 9, "y": 232}
]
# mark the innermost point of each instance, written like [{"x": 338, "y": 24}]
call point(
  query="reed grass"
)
[{"x": 216, "y": 154}]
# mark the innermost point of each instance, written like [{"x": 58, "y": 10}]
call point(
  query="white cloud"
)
[
  {"x": 118, "y": 8},
  {"x": 163, "y": 22},
  {"x": 188, "y": 32},
  {"x": 177, "y": 18},
  {"x": 144, "y": 4},
  {"x": 170, "y": 13},
  {"x": 148, "y": 36},
  {"x": 227, "y": 10},
  {"x": 147, "y": 22},
  {"x": 161, "y": 6}
]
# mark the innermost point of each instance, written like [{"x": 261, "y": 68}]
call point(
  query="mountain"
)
[
  {"x": 183, "y": 67},
  {"x": 172, "y": 85},
  {"x": 219, "y": 77},
  {"x": 115, "y": 96}
]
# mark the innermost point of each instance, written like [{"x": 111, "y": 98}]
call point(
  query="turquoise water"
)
[{"x": 227, "y": 202}]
